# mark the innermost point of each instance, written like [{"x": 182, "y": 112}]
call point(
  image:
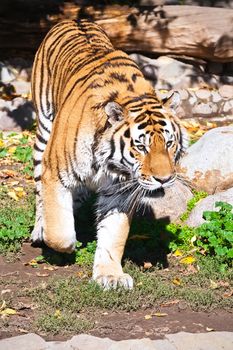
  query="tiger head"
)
[{"x": 145, "y": 141}]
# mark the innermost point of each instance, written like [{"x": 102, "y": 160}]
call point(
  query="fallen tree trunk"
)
[{"x": 179, "y": 30}]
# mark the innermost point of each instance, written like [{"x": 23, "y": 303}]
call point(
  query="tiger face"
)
[{"x": 144, "y": 146}]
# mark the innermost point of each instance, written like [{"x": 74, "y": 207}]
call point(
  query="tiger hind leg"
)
[{"x": 42, "y": 137}]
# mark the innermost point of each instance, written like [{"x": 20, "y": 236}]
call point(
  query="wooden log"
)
[{"x": 179, "y": 30}]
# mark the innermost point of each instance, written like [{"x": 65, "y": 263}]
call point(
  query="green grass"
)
[
  {"x": 76, "y": 301},
  {"x": 16, "y": 220}
]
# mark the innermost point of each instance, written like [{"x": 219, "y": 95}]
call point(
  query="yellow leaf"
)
[
  {"x": 213, "y": 285},
  {"x": 57, "y": 313},
  {"x": 188, "y": 260},
  {"x": 147, "y": 317},
  {"x": 20, "y": 192},
  {"x": 13, "y": 195},
  {"x": 160, "y": 314},
  {"x": 178, "y": 253},
  {"x": 139, "y": 284},
  {"x": 11, "y": 150},
  {"x": 177, "y": 281},
  {"x": 32, "y": 263},
  {"x": 8, "y": 311},
  {"x": 1, "y": 143}
]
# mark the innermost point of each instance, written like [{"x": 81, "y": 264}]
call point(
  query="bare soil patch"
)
[{"x": 173, "y": 316}]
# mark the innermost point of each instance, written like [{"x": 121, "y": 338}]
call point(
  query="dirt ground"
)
[{"x": 115, "y": 325}]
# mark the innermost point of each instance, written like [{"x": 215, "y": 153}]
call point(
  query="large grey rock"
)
[
  {"x": 208, "y": 164},
  {"x": 166, "y": 72},
  {"x": 202, "y": 341},
  {"x": 173, "y": 203},
  {"x": 208, "y": 203},
  {"x": 23, "y": 342}
]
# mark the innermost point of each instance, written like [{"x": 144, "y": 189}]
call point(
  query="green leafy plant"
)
[
  {"x": 15, "y": 225},
  {"x": 214, "y": 237},
  {"x": 16, "y": 219},
  {"x": 85, "y": 256}
]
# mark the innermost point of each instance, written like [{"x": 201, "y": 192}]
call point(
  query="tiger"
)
[{"x": 101, "y": 127}]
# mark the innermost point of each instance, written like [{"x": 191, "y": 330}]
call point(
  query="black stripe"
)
[
  {"x": 41, "y": 139},
  {"x": 36, "y": 148},
  {"x": 36, "y": 162},
  {"x": 37, "y": 178}
]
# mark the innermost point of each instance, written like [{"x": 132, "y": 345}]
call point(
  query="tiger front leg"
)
[
  {"x": 58, "y": 220},
  {"x": 112, "y": 233}
]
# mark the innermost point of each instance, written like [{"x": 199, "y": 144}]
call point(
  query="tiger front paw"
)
[{"x": 113, "y": 281}]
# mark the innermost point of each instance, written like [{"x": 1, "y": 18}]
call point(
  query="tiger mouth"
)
[{"x": 157, "y": 184}]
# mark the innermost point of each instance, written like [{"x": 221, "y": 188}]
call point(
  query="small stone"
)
[
  {"x": 203, "y": 108},
  {"x": 226, "y": 91},
  {"x": 23, "y": 75},
  {"x": 184, "y": 95},
  {"x": 228, "y": 107},
  {"x": 6, "y": 76},
  {"x": 203, "y": 94},
  {"x": 193, "y": 100},
  {"x": 21, "y": 87},
  {"x": 216, "y": 97}
]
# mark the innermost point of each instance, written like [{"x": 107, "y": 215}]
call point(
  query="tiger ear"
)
[
  {"x": 114, "y": 112},
  {"x": 173, "y": 101}
]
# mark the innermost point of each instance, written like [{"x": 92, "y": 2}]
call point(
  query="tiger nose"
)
[{"x": 163, "y": 180}]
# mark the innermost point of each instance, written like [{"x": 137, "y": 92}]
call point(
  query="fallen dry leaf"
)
[
  {"x": 213, "y": 285},
  {"x": 209, "y": 329},
  {"x": 42, "y": 274},
  {"x": 20, "y": 192},
  {"x": 187, "y": 260},
  {"x": 50, "y": 268},
  {"x": 160, "y": 314},
  {"x": 13, "y": 195},
  {"x": 8, "y": 311},
  {"x": 177, "y": 281},
  {"x": 32, "y": 263},
  {"x": 8, "y": 173},
  {"x": 147, "y": 265},
  {"x": 178, "y": 253},
  {"x": 4, "y": 291},
  {"x": 170, "y": 303},
  {"x": 228, "y": 294},
  {"x": 57, "y": 313},
  {"x": 147, "y": 317}
]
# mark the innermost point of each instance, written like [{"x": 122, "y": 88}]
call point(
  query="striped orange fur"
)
[{"x": 100, "y": 126}]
